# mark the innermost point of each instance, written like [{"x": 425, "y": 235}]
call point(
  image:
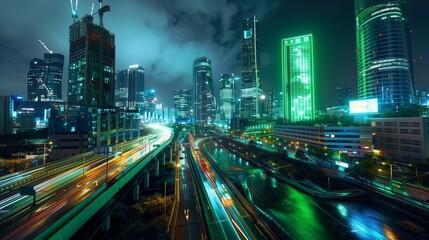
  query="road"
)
[
  {"x": 187, "y": 221},
  {"x": 69, "y": 189}
]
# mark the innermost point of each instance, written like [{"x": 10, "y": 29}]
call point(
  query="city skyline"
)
[{"x": 156, "y": 32}]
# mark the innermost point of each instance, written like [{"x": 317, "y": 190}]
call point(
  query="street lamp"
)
[{"x": 44, "y": 151}]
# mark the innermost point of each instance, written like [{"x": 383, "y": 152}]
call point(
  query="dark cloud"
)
[{"x": 165, "y": 36}]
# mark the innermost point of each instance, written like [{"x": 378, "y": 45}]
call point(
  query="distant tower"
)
[
  {"x": 384, "y": 61},
  {"x": 226, "y": 97},
  {"x": 54, "y": 74},
  {"x": 298, "y": 78},
  {"x": 130, "y": 87},
  {"x": 91, "y": 65},
  {"x": 182, "y": 105},
  {"x": 35, "y": 79},
  {"x": 344, "y": 95},
  {"x": 6, "y": 109},
  {"x": 250, "y": 64},
  {"x": 203, "y": 95}
]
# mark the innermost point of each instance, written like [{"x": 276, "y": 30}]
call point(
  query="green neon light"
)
[{"x": 298, "y": 78}]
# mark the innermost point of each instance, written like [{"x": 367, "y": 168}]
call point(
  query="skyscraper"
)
[
  {"x": 384, "y": 62},
  {"x": 226, "y": 97},
  {"x": 203, "y": 95},
  {"x": 298, "y": 78},
  {"x": 182, "y": 105},
  {"x": 250, "y": 83},
  {"x": 129, "y": 90},
  {"x": 91, "y": 65},
  {"x": 6, "y": 109},
  {"x": 54, "y": 74},
  {"x": 44, "y": 79},
  {"x": 35, "y": 78},
  {"x": 344, "y": 95}
]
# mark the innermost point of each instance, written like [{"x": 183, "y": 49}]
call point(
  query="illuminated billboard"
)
[{"x": 364, "y": 106}]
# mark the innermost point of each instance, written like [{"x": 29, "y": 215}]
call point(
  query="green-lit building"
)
[{"x": 298, "y": 78}]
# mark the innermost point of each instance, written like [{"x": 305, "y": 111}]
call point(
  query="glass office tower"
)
[
  {"x": 251, "y": 89},
  {"x": 182, "y": 105},
  {"x": 129, "y": 90},
  {"x": 226, "y": 96},
  {"x": 91, "y": 65},
  {"x": 298, "y": 78},
  {"x": 203, "y": 95},
  {"x": 384, "y": 62}
]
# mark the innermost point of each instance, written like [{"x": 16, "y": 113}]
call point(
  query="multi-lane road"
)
[{"x": 59, "y": 192}]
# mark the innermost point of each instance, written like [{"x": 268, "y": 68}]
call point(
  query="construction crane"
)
[
  {"x": 44, "y": 45},
  {"x": 74, "y": 10}
]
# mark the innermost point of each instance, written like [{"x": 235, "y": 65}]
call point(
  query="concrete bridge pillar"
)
[
  {"x": 156, "y": 167},
  {"x": 131, "y": 126},
  {"x": 136, "y": 192},
  {"x": 171, "y": 154},
  {"x": 163, "y": 159},
  {"x": 146, "y": 179},
  {"x": 106, "y": 224}
]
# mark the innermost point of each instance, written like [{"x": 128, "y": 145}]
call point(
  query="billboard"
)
[{"x": 364, "y": 106}]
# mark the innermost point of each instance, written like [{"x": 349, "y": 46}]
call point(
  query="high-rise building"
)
[
  {"x": 298, "y": 78},
  {"x": 129, "y": 90},
  {"x": 182, "y": 105},
  {"x": 91, "y": 65},
  {"x": 6, "y": 109},
  {"x": 203, "y": 95},
  {"x": 384, "y": 61},
  {"x": 54, "y": 75},
  {"x": 35, "y": 78},
  {"x": 44, "y": 79},
  {"x": 149, "y": 109},
  {"x": 251, "y": 89},
  {"x": 344, "y": 95},
  {"x": 226, "y": 97},
  {"x": 421, "y": 97}
]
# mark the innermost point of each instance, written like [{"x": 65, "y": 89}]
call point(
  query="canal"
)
[{"x": 304, "y": 217}]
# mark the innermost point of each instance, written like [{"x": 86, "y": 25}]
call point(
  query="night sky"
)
[{"x": 165, "y": 36}]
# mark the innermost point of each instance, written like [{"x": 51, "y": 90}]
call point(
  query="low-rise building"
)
[
  {"x": 404, "y": 139},
  {"x": 353, "y": 140}
]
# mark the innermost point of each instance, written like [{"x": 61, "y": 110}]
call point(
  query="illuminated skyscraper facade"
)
[
  {"x": 226, "y": 97},
  {"x": 91, "y": 65},
  {"x": 298, "y": 78},
  {"x": 384, "y": 62},
  {"x": 203, "y": 95},
  {"x": 250, "y": 65},
  {"x": 129, "y": 90},
  {"x": 182, "y": 105}
]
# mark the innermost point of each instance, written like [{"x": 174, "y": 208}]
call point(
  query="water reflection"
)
[{"x": 304, "y": 217}]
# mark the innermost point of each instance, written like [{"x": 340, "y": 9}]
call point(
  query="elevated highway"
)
[{"x": 70, "y": 199}]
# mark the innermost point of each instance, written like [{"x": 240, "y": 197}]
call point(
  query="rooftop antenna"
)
[
  {"x": 74, "y": 10},
  {"x": 92, "y": 9},
  {"x": 44, "y": 45}
]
